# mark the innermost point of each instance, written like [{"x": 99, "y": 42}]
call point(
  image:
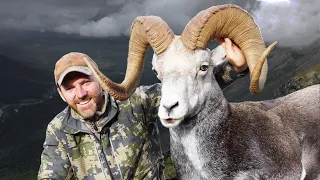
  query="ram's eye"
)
[
  {"x": 155, "y": 72},
  {"x": 204, "y": 67}
]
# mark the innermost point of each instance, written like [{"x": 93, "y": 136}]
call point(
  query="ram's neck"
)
[
  {"x": 213, "y": 113},
  {"x": 194, "y": 141}
]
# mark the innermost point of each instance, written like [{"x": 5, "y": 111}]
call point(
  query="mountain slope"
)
[
  {"x": 21, "y": 81},
  {"x": 27, "y": 103},
  {"x": 283, "y": 63},
  {"x": 299, "y": 81}
]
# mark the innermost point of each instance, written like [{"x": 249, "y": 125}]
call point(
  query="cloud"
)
[
  {"x": 43, "y": 15},
  {"x": 292, "y": 24},
  {"x": 176, "y": 13}
]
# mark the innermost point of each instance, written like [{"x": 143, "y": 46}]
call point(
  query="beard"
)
[{"x": 91, "y": 104}]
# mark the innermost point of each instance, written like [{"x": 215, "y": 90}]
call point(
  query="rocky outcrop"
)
[{"x": 299, "y": 81}]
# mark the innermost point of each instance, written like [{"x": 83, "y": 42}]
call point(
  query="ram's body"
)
[
  {"x": 262, "y": 140},
  {"x": 214, "y": 139}
]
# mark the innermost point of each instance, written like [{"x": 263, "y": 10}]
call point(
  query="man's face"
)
[{"x": 82, "y": 93}]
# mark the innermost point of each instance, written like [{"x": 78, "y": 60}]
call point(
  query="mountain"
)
[
  {"x": 21, "y": 138},
  {"x": 28, "y": 99},
  {"x": 301, "y": 80},
  {"x": 28, "y": 102},
  {"x": 21, "y": 81},
  {"x": 283, "y": 64},
  {"x": 42, "y": 50}
]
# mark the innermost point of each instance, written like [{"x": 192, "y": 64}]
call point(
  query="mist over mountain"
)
[{"x": 28, "y": 99}]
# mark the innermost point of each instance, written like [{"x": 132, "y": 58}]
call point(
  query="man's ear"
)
[{"x": 61, "y": 95}]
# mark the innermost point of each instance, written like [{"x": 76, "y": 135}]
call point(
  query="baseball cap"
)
[{"x": 71, "y": 62}]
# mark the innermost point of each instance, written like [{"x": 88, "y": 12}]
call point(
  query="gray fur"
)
[
  {"x": 252, "y": 140},
  {"x": 213, "y": 139}
]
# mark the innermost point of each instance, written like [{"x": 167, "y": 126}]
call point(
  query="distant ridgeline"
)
[{"x": 299, "y": 81}]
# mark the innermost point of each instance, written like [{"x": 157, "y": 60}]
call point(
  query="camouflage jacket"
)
[{"x": 122, "y": 144}]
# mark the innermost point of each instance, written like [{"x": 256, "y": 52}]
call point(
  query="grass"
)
[{"x": 309, "y": 72}]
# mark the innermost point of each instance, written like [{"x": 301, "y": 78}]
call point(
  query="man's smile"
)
[{"x": 84, "y": 104}]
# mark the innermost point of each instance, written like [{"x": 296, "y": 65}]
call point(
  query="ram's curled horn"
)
[
  {"x": 145, "y": 31},
  {"x": 232, "y": 22}
]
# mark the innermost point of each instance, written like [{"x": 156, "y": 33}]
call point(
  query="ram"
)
[{"x": 210, "y": 137}]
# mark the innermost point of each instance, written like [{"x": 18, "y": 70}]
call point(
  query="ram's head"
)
[{"x": 183, "y": 63}]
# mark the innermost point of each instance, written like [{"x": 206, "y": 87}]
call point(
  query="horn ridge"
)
[
  {"x": 232, "y": 22},
  {"x": 145, "y": 31}
]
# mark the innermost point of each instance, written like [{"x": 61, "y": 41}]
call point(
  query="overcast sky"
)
[{"x": 292, "y": 23}]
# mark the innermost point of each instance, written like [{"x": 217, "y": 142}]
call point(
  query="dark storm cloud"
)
[
  {"x": 176, "y": 13},
  {"x": 292, "y": 23},
  {"x": 46, "y": 15}
]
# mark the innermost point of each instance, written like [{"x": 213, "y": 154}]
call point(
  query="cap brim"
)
[{"x": 81, "y": 69}]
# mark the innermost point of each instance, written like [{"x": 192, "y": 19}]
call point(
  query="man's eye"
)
[
  {"x": 204, "y": 67},
  {"x": 86, "y": 82},
  {"x": 69, "y": 88}
]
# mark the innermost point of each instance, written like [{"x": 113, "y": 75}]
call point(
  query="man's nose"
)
[{"x": 81, "y": 92}]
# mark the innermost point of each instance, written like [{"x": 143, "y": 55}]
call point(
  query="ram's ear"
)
[
  {"x": 154, "y": 59},
  {"x": 218, "y": 55}
]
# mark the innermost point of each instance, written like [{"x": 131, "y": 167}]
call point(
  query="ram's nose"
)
[{"x": 170, "y": 106}]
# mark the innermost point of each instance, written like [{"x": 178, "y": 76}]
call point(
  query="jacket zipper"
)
[
  {"x": 115, "y": 157},
  {"x": 95, "y": 128}
]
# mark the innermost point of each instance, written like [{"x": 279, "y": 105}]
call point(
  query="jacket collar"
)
[{"x": 73, "y": 123}]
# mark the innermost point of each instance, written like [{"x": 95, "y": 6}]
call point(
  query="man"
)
[{"x": 96, "y": 137}]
